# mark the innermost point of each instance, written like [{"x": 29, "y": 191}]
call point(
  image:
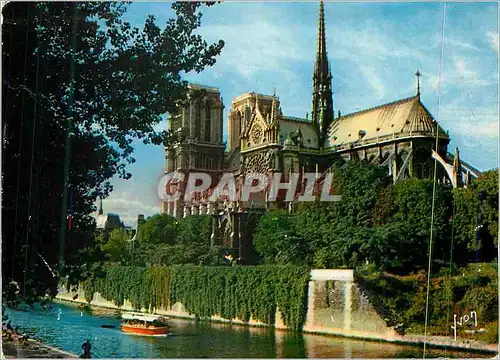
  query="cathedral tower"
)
[
  {"x": 196, "y": 143},
  {"x": 322, "y": 98}
]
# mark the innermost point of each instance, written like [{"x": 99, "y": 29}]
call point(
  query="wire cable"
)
[
  {"x": 31, "y": 166},
  {"x": 451, "y": 265},
  {"x": 443, "y": 21},
  {"x": 20, "y": 140},
  {"x": 67, "y": 156}
]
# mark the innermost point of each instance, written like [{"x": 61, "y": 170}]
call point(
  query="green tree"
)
[
  {"x": 192, "y": 240},
  {"x": 194, "y": 229},
  {"x": 336, "y": 232},
  {"x": 117, "y": 248},
  {"x": 313, "y": 222},
  {"x": 158, "y": 229},
  {"x": 79, "y": 85},
  {"x": 411, "y": 222},
  {"x": 164, "y": 240},
  {"x": 466, "y": 202},
  {"x": 360, "y": 185},
  {"x": 276, "y": 240}
]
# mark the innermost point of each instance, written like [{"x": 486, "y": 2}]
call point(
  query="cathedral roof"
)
[
  {"x": 289, "y": 125},
  {"x": 402, "y": 117},
  {"x": 293, "y": 118},
  {"x": 109, "y": 221},
  {"x": 193, "y": 86}
]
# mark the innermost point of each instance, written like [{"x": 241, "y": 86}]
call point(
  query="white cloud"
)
[
  {"x": 257, "y": 47},
  {"x": 162, "y": 125},
  {"x": 367, "y": 44},
  {"x": 460, "y": 44},
  {"x": 461, "y": 74},
  {"x": 478, "y": 130},
  {"x": 473, "y": 125},
  {"x": 465, "y": 75},
  {"x": 373, "y": 80},
  {"x": 128, "y": 206},
  {"x": 475, "y": 132},
  {"x": 452, "y": 43},
  {"x": 493, "y": 39}
]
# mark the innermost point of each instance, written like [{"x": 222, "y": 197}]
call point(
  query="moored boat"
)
[{"x": 146, "y": 325}]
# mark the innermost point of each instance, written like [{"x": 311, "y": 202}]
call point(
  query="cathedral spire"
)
[
  {"x": 321, "y": 60},
  {"x": 322, "y": 101}
]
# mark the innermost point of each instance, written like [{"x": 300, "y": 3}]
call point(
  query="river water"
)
[{"x": 66, "y": 327}]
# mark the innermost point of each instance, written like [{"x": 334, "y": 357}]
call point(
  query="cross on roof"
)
[{"x": 418, "y": 75}]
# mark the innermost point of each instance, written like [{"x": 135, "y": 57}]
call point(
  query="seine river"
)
[{"x": 66, "y": 327}]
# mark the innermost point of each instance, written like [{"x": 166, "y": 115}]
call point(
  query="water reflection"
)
[{"x": 190, "y": 339}]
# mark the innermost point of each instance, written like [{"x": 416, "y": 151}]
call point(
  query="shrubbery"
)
[{"x": 402, "y": 299}]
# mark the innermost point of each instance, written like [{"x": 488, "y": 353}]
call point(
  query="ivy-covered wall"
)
[{"x": 241, "y": 292}]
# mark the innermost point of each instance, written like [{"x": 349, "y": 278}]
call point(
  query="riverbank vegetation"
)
[
  {"x": 85, "y": 85},
  {"x": 237, "y": 292},
  {"x": 401, "y": 300}
]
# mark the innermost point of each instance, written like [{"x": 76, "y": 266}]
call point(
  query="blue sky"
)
[{"x": 374, "y": 51}]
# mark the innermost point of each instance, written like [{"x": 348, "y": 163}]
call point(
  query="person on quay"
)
[{"x": 86, "y": 347}]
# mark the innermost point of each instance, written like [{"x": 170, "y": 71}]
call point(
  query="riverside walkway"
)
[{"x": 14, "y": 348}]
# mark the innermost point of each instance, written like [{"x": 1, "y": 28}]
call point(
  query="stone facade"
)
[{"x": 196, "y": 144}]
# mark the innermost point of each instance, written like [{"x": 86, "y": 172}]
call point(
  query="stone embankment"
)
[{"x": 15, "y": 346}]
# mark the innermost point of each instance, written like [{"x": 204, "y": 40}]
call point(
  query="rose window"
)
[
  {"x": 257, "y": 164},
  {"x": 256, "y": 135}
]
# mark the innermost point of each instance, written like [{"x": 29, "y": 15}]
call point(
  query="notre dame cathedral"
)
[{"x": 400, "y": 135}]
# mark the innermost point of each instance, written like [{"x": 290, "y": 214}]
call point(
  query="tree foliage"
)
[
  {"x": 407, "y": 233},
  {"x": 284, "y": 246},
  {"x": 335, "y": 233},
  {"x": 402, "y": 299},
  {"x": 118, "y": 245},
  {"x": 467, "y": 208},
  {"x": 78, "y": 68},
  {"x": 158, "y": 229},
  {"x": 383, "y": 224},
  {"x": 165, "y": 240},
  {"x": 145, "y": 288}
]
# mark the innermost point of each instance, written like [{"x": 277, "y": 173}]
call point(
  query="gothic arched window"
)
[
  {"x": 422, "y": 164},
  {"x": 197, "y": 129},
  {"x": 240, "y": 123},
  {"x": 208, "y": 121}
]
